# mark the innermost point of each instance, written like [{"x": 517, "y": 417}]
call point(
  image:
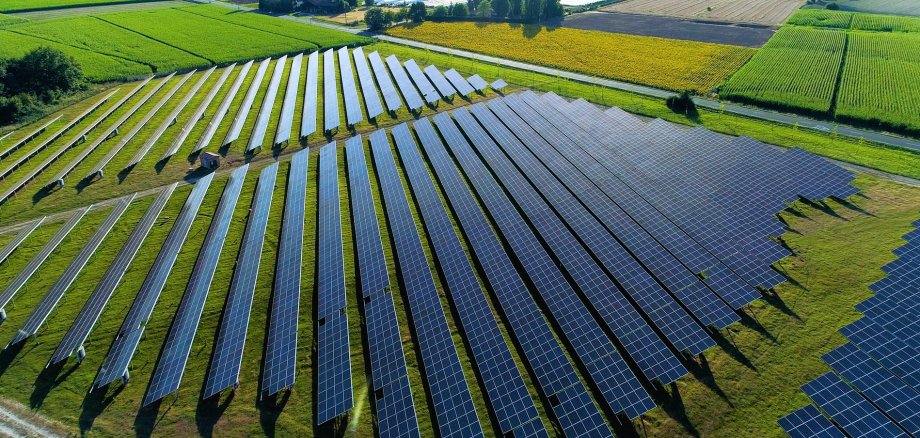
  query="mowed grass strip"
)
[
  {"x": 880, "y": 84},
  {"x": 796, "y": 69},
  {"x": 96, "y": 35},
  {"x": 6, "y": 20},
  {"x": 659, "y": 62}
]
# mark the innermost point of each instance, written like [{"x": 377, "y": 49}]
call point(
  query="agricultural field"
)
[
  {"x": 796, "y": 69},
  {"x": 896, "y": 7},
  {"x": 821, "y": 18},
  {"x": 659, "y": 62},
  {"x": 851, "y": 21},
  {"x": 764, "y": 12},
  {"x": 6, "y": 20},
  {"x": 129, "y": 45},
  {"x": 32, "y": 5}
]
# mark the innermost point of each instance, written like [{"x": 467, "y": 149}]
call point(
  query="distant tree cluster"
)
[
  {"x": 41, "y": 77},
  {"x": 276, "y": 6},
  {"x": 378, "y": 19},
  {"x": 530, "y": 11}
]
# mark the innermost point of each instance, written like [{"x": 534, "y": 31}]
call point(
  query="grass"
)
[
  {"x": 6, "y": 20},
  {"x": 33, "y": 5},
  {"x": 664, "y": 63}
]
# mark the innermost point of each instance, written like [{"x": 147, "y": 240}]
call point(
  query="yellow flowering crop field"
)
[{"x": 659, "y": 62}]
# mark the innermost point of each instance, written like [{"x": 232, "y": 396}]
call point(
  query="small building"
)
[{"x": 210, "y": 160}]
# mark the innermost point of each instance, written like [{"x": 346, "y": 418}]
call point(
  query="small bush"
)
[{"x": 681, "y": 103}]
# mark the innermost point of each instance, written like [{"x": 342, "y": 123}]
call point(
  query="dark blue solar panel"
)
[
  {"x": 353, "y": 113},
  {"x": 222, "y": 109},
  {"x": 453, "y": 404},
  {"x": 893, "y": 353},
  {"x": 807, "y": 422},
  {"x": 257, "y": 137},
  {"x": 168, "y": 374},
  {"x": 387, "y": 89},
  {"x": 638, "y": 338},
  {"x": 422, "y": 82},
  {"x": 409, "y": 93},
  {"x": 78, "y": 332},
  {"x": 286, "y": 122},
  {"x": 231, "y": 338},
  {"x": 554, "y": 373},
  {"x": 460, "y": 84},
  {"x": 54, "y": 295},
  {"x": 368, "y": 87},
  {"x": 393, "y": 398},
  {"x": 511, "y": 403},
  {"x": 330, "y": 93},
  {"x": 311, "y": 86},
  {"x": 444, "y": 87},
  {"x": 855, "y": 415},
  {"x": 281, "y": 353},
  {"x": 621, "y": 390},
  {"x": 242, "y": 113},
  {"x": 129, "y": 335},
  {"x": 478, "y": 83},
  {"x": 882, "y": 387},
  {"x": 334, "y": 393}
]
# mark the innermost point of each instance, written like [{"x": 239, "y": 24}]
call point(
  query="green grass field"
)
[
  {"x": 897, "y": 7},
  {"x": 129, "y": 45},
  {"x": 32, "y": 5},
  {"x": 6, "y": 20}
]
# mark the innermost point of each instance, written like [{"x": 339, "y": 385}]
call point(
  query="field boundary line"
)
[{"x": 213, "y": 62}]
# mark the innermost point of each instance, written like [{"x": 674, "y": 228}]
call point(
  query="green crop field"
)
[
  {"x": 885, "y": 23},
  {"x": 32, "y": 5},
  {"x": 6, "y": 20},
  {"x": 897, "y": 7},
  {"x": 796, "y": 69},
  {"x": 128, "y": 45},
  {"x": 821, "y": 18}
]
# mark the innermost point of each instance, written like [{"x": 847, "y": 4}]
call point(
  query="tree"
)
[
  {"x": 533, "y": 9},
  {"x": 485, "y": 9},
  {"x": 517, "y": 8},
  {"x": 472, "y": 4},
  {"x": 368, "y": 3},
  {"x": 389, "y": 17},
  {"x": 280, "y": 6},
  {"x": 681, "y": 103},
  {"x": 401, "y": 15},
  {"x": 376, "y": 19},
  {"x": 552, "y": 9},
  {"x": 45, "y": 73},
  {"x": 501, "y": 8},
  {"x": 353, "y": 4},
  {"x": 460, "y": 11},
  {"x": 344, "y": 6},
  {"x": 418, "y": 12},
  {"x": 439, "y": 12}
]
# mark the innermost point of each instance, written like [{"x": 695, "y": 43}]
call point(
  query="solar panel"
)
[
  {"x": 83, "y": 324},
  {"x": 445, "y": 88},
  {"x": 392, "y": 395},
  {"x": 54, "y": 295},
  {"x": 554, "y": 373},
  {"x": 855, "y": 415},
  {"x": 893, "y": 353},
  {"x": 228, "y": 351},
  {"x": 478, "y": 83},
  {"x": 198, "y": 114},
  {"x": 409, "y": 93},
  {"x": 29, "y": 137},
  {"x": 286, "y": 122},
  {"x": 58, "y": 179},
  {"x": 330, "y": 93},
  {"x": 19, "y": 238},
  {"x": 26, "y": 273},
  {"x": 171, "y": 365},
  {"x": 334, "y": 392},
  {"x": 453, "y": 403},
  {"x": 882, "y": 387},
  {"x": 387, "y": 89},
  {"x": 236, "y": 128},
  {"x": 424, "y": 85},
  {"x": 350, "y": 92},
  {"x": 268, "y": 104},
  {"x": 510, "y": 401},
  {"x": 169, "y": 120},
  {"x": 621, "y": 390},
  {"x": 125, "y": 344},
  {"x": 223, "y": 109},
  {"x": 368, "y": 87},
  {"x": 498, "y": 84},
  {"x": 281, "y": 352},
  {"x": 18, "y": 162},
  {"x": 123, "y": 141},
  {"x": 308, "y": 119},
  {"x": 460, "y": 84},
  {"x": 807, "y": 422}
]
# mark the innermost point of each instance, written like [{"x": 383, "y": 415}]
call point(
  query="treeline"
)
[
  {"x": 40, "y": 78},
  {"x": 529, "y": 11}
]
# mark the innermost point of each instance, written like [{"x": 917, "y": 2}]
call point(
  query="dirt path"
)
[{"x": 17, "y": 421}]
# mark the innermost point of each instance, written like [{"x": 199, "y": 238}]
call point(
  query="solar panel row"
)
[
  {"x": 409, "y": 93},
  {"x": 422, "y": 82},
  {"x": 228, "y": 351},
  {"x": 453, "y": 404},
  {"x": 58, "y": 179},
  {"x": 286, "y": 122},
  {"x": 19, "y": 238},
  {"x": 236, "y": 128},
  {"x": 223, "y": 109},
  {"x": 198, "y": 114},
  {"x": 387, "y": 89},
  {"x": 125, "y": 344},
  {"x": 478, "y": 83},
  {"x": 855, "y": 415},
  {"x": 445, "y": 88},
  {"x": 460, "y": 84},
  {"x": 36, "y": 262},
  {"x": 85, "y": 321},
  {"x": 807, "y": 422},
  {"x": 308, "y": 119},
  {"x": 350, "y": 92},
  {"x": 368, "y": 88},
  {"x": 555, "y": 375},
  {"x": 268, "y": 104},
  {"x": 621, "y": 390},
  {"x": 510, "y": 402},
  {"x": 170, "y": 119},
  {"x": 334, "y": 389},
  {"x": 331, "y": 119},
  {"x": 50, "y": 300},
  {"x": 125, "y": 139},
  {"x": 281, "y": 353},
  {"x": 30, "y": 136},
  {"x": 390, "y": 381}
]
